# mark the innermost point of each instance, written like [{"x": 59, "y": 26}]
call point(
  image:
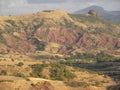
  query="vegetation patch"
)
[
  {"x": 57, "y": 71},
  {"x": 46, "y": 57},
  {"x": 6, "y": 81},
  {"x": 60, "y": 72},
  {"x": 77, "y": 84},
  {"x": 37, "y": 69},
  {"x": 20, "y": 75},
  {"x": 3, "y": 72},
  {"x": 20, "y": 64},
  {"x": 88, "y": 56}
]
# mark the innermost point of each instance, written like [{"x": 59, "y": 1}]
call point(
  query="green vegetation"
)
[
  {"x": 47, "y": 57},
  {"x": 12, "y": 22},
  {"x": 40, "y": 44},
  {"x": 77, "y": 84},
  {"x": 2, "y": 39},
  {"x": 80, "y": 56},
  {"x": 6, "y": 81},
  {"x": 2, "y": 52},
  {"x": 103, "y": 67},
  {"x": 57, "y": 71},
  {"x": 20, "y": 64},
  {"x": 114, "y": 87},
  {"x": 88, "y": 56},
  {"x": 37, "y": 69},
  {"x": 60, "y": 72},
  {"x": 20, "y": 75},
  {"x": 3, "y": 72},
  {"x": 104, "y": 57}
]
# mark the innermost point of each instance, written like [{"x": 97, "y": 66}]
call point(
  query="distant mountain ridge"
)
[
  {"x": 113, "y": 16},
  {"x": 85, "y": 10}
]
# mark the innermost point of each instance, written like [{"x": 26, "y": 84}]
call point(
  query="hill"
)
[
  {"x": 70, "y": 51},
  {"x": 68, "y": 33},
  {"x": 108, "y": 15}
]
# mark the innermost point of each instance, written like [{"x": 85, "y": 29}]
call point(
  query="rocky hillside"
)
[
  {"x": 58, "y": 32},
  {"x": 113, "y": 16}
]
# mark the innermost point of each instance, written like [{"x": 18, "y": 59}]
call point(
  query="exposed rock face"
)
[
  {"x": 19, "y": 44},
  {"x": 107, "y": 41},
  {"x": 33, "y": 32},
  {"x": 94, "y": 13},
  {"x": 61, "y": 36}
]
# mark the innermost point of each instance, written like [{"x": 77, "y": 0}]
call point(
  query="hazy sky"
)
[{"x": 28, "y": 6}]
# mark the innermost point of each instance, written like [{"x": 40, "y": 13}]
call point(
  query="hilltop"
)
[{"x": 112, "y": 16}]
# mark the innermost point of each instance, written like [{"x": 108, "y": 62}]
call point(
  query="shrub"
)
[
  {"x": 20, "y": 64},
  {"x": 80, "y": 56},
  {"x": 20, "y": 75},
  {"x": 47, "y": 57},
  {"x": 12, "y": 22},
  {"x": 37, "y": 69},
  {"x": 98, "y": 83},
  {"x": 3, "y": 72},
  {"x": 12, "y": 60},
  {"x": 60, "y": 72},
  {"x": 77, "y": 84},
  {"x": 26, "y": 78},
  {"x": 103, "y": 57}
]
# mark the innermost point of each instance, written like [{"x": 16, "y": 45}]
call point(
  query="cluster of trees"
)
[
  {"x": 47, "y": 57},
  {"x": 40, "y": 45},
  {"x": 77, "y": 84},
  {"x": 37, "y": 69},
  {"x": 80, "y": 56},
  {"x": 57, "y": 71},
  {"x": 98, "y": 57},
  {"x": 104, "y": 57},
  {"x": 60, "y": 72}
]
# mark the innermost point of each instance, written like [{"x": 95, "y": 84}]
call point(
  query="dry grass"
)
[{"x": 12, "y": 82}]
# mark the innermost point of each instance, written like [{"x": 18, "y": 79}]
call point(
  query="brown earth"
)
[{"x": 19, "y": 32}]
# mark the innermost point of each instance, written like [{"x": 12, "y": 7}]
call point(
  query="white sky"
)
[{"x": 9, "y": 7}]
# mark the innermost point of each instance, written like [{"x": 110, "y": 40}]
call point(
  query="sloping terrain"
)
[
  {"x": 54, "y": 45},
  {"x": 113, "y": 16},
  {"x": 16, "y": 76},
  {"x": 34, "y": 32},
  {"x": 17, "y": 83}
]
